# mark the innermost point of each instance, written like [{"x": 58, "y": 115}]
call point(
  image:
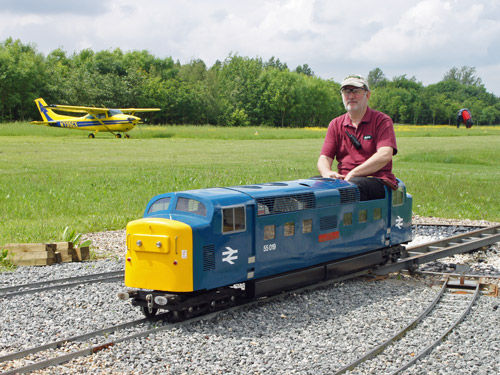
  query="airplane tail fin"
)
[{"x": 48, "y": 115}]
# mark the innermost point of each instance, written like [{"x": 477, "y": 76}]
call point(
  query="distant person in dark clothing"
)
[{"x": 463, "y": 116}]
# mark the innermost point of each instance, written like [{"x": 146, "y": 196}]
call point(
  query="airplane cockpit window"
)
[
  {"x": 101, "y": 115},
  {"x": 192, "y": 206},
  {"x": 90, "y": 116},
  {"x": 160, "y": 205},
  {"x": 113, "y": 112}
]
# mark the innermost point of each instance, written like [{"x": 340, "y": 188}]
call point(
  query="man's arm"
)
[
  {"x": 377, "y": 161},
  {"x": 325, "y": 167}
]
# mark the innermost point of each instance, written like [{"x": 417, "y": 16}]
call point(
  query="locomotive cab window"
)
[
  {"x": 161, "y": 204},
  {"x": 233, "y": 219},
  {"x": 192, "y": 206}
]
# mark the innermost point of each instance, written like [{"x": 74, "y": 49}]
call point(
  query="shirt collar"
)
[{"x": 366, "y": 118}]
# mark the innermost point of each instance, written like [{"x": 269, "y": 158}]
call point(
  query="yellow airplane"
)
[{"x": 96, "y": 120}]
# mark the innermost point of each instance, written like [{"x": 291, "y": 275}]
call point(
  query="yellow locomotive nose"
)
[{"x": 159, "y": 255}]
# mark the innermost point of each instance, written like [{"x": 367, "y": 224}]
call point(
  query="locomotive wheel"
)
[{"x": 148, "y": 314}]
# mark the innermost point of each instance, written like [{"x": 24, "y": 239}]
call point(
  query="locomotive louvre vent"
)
[
  {"x": 349, "y": 195},
  {"x": 285, "y": 203},
  {"x": 208, "y": 257},
  {"x": 328, "y": 222}
]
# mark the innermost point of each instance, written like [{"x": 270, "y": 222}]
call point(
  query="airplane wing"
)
[
  {"x": 133, "y": 110},
  {"x": 43, "y": 122},
  {"x": 96, "y": 110},
  {"x": 78, "y": 109}
]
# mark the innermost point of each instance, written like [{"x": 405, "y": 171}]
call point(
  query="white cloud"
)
[
  {"x": 335, "y": 38},
  {"x": 431, "y": 30}
]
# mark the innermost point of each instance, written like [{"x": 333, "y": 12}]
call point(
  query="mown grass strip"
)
[{"x": 49, "y": 182}]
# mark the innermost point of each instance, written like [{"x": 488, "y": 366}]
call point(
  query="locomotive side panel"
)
[
  {"x": 401, "y": 215},
  {"x": 224, "y": 252},
  {"x": 350, "y": 229},
  {"x": 280, "y": 243}
]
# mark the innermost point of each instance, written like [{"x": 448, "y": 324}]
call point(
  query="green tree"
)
[
  {"x": 22, "y": 77},
  {"x": 376, "y": 78},
  {"x": 304, "y": 69},
  {"x": 466, "y": 75}
]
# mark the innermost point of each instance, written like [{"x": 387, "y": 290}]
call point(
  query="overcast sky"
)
[{"x": 421, "y": 38}]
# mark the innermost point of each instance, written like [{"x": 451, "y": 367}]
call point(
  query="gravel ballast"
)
[{"x": 313, "y": 332}]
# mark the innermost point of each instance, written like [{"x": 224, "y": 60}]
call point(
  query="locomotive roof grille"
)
[
  {"x": 285, "y": 203},
  {"x": 349, "y": 195}
]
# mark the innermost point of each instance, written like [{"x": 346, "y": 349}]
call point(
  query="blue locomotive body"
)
[{"x": 243, "y": 234}]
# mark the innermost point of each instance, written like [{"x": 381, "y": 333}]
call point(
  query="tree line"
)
[{"x": 235, "y": 92}]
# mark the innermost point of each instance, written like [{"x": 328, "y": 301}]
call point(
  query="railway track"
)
[
  {"x": 65, "y": 350},
  {"x": 462, "y": 243},
  {"x": 432, "y": 326},
  {"x": 29, "y": 359},
  {"x": 60, "y": 283}
]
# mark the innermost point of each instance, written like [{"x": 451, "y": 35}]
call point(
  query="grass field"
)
[{"x": 53, "y": 178}]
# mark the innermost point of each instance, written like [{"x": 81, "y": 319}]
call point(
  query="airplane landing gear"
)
[
  {"x": 118, "y": 135},
  {"x": 91, "y": 135}
]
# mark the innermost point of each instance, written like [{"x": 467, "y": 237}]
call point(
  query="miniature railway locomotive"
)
[{"x": 191, "y": 247}]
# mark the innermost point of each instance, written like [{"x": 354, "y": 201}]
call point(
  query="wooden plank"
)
[
  {"x": 77, "y": 255},
  {"x": 81, "y": 254},
  {"x": 64, "y": 245},
  {"x": 35, "y": 255},
  {"x": 85, "y": 251},
  {"x": 66, "y": 256},
  {"x": 65, "y": 249},
  {"x": 27, "y": 247},
  {"x": 33, "y": 259}
]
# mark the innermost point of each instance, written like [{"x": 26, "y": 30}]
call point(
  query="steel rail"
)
[
  {"x": 397, "y": 336},
  {"x": 488, "y": 235},
  {"x": 428, "y": 349},
  {"x": 96, "y": 348},
  {"x": 62, "y": 342},
  {"x": 379, "y": 349},
  {"x": 430, "y": 251},
  {"x": 59, "y": 283}
]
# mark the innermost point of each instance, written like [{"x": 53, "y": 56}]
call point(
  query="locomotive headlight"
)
[
  {"x": 161, "y": 300},
  {"x": 158, "y": 244}
]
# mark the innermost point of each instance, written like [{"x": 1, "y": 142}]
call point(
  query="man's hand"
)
[
  {"x": 333, "y": 174},
  {"x": 325, "y": 168}
]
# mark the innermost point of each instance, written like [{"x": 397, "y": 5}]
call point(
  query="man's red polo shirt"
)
[{"x": 374, "y": 131}]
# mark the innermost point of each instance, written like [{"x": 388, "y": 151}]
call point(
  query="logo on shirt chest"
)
[{"x": 367, "y": 137}]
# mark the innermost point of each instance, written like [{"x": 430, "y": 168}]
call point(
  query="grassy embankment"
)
[{"x": 53, "y": 178}]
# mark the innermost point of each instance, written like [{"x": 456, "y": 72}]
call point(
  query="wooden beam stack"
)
[{"x": 45, "y": 254}]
